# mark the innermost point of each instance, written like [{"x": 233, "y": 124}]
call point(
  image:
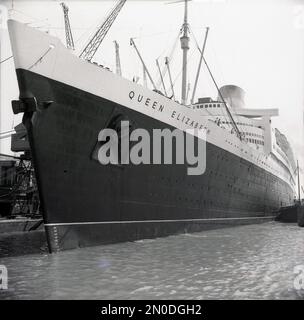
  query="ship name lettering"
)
[
  {"x": 146, "y": 101},
  {"x": 193, "y": 124},
  {"x": 132, "y": 95}
]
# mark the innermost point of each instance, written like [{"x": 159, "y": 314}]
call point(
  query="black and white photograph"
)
[{"x": 151, "y": 150}]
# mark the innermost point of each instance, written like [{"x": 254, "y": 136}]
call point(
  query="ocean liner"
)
[{"x": 66, "y": 101}]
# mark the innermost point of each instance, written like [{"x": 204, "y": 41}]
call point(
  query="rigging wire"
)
[
  {"x": 29, "y": 16},
  {"x": 6, "y": 59},
  {"x": 230, "y": 112},
  {"x": 180, "y": 72},
  {"x": 223, "y": 113},
  {"x": 91, "y": 29},
  {"x": 97, "y": 27},
  {"x": 245, "y": 129},
  {"x": 165, "y": 69}
]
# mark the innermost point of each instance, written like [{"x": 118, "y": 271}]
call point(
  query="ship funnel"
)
[{"x": 234, "y": 96}]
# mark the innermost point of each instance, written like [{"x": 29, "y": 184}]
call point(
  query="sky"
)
[{"x": 255, "y": 44}]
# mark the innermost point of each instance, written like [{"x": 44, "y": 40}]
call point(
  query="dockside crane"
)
[
  {"x": 91, "y": 48},
  {"x": 118, "y": 64},
  {"x": 68, "y": 30}
]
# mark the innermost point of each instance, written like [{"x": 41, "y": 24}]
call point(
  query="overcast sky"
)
[{"x": 257, "y": 45}]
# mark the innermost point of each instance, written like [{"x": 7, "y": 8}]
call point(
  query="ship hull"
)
[{"x": 85, "y": 203}]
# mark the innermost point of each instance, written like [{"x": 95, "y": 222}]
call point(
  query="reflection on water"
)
[{"x": 247, "y": 262}]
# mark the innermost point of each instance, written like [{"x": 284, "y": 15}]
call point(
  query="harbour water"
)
[{"x": 246, "y": 262}]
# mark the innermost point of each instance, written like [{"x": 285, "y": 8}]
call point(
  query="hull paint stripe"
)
[{"x": 154, "y": 221}]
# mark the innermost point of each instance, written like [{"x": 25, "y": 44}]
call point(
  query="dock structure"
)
[
  {"x": 19, "y": 225},
  {"x": 7, "y": 93},
  {"x": 301, "y": 216},
  {"x": 292, "y": 214}
]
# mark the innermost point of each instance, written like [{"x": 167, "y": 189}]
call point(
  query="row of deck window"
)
[
  {"x": 255, "y": 141},
  {"x": 211, "y": 105},
  {"x": 239, "y": 123},
  {"x": 254, "y": 135}
]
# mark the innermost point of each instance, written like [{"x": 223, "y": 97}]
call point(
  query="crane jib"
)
[{"x": 91, "y": 48}]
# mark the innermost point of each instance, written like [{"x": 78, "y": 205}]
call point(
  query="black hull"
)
[{"x": 85, "y": 203}]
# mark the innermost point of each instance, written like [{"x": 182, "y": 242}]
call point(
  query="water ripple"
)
[{"x": 247, "y": 262}]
